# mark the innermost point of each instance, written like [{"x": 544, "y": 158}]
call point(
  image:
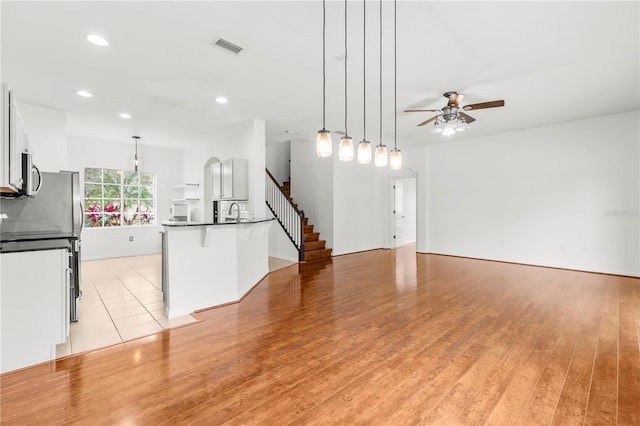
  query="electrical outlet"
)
[{"x": 130, "y": 238}]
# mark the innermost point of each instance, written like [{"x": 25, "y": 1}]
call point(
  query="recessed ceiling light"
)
[
  {"x": 84, "y": 94},
  {"x": 221, "y": 100},
  {"x": 290, "y": 132},
  {"x": 97, "y": 40},
  {"x": 125, "y": 115}
]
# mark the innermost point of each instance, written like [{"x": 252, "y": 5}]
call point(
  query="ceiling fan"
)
[{"x": 453, "y": 112}]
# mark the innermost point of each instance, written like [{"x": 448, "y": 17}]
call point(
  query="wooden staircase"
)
[{"x": 314, "y": 247}]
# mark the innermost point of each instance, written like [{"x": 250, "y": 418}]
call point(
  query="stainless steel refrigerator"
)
[{"x": 54, "y": 213}]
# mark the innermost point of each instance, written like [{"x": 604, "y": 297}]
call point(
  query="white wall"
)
[
  {"x": 349, "y": 203},
  {"x": 166, "y": 163},
  {"x": 312, "y": 186},
  {"x": 47, "y": 133},
  {"x": 361, "y": 206},
  {"x": 278, "y": 158},
  {"x": 245, "y": 140},
  {"x": 564, "y": 195},
  {"x": 280, "y": 245}
]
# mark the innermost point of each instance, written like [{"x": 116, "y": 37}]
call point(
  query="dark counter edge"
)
[
  {"x": 22, "y": 246},
  {"x": 183, "y": 224}
]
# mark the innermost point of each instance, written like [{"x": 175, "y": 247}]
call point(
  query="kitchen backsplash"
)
[{"x": 246, "y": 209}]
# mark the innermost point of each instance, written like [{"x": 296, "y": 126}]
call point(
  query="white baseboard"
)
[{"x": 114, "y": 255}]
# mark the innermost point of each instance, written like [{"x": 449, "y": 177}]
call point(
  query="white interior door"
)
[{"x": 398, "y": 212}]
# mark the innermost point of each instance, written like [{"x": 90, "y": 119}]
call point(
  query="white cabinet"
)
[
  {"x": 230, "y": 180},
  {"x": 14, "y": 143},
  {"x": 35, "y": 306}
]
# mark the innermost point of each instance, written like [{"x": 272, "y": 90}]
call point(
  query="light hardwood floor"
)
[{"x": 381, "y": 337}]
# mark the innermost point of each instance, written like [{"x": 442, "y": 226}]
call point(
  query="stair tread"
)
[
  {"x": 317, "y": 254},
  {"x": 314, "y": 245},
  {"x": 311, "y": 236}
]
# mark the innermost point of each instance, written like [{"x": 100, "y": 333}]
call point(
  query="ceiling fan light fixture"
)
[
  {"x": 345, "y": 149},
  {"x": 448, "y": 131},
  {"x": 364, "y": 152},
  {"x": 462, "y": 127}
]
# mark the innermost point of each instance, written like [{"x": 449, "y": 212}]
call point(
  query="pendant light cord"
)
[
  {"x": 364, "y": 69},
  {"x": 380, "y": 72},
  {"x": 324, "y": 68},
  {"x": 346, "y": 56},
  {"x": 395, "y": 73}
]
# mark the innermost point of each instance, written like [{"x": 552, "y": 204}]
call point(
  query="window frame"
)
[{"x": 120, "y": 199}]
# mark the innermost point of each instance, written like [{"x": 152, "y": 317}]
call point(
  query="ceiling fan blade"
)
[
  {"x": 466, "y": 118},
  {"x": 429, "y": 120},
  {"x": 455, "y": 99},
  {"x": 483, "y": 105},
  {"x": 421, "y": 110}
]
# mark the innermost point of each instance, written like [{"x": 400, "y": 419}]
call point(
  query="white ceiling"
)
[{"x": 550, "y": 61}]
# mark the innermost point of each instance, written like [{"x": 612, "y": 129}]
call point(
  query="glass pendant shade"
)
[
  {"x": 345, "y": 150},
  {"x": 395, "y": 159},
  {"x": 364, "y": 152},
  {"x": 324, "y": 144},
  {"x": 381, "y": 155}
]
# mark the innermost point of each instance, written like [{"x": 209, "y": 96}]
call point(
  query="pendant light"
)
[
  {"x": 364, "y": 147},
  {"x": 135, "y": 158},
  {"x": 324, "y": 144},
  {"x": 345, "y": 149},
  {"x": 381, "y": 150},
  {"x": 395, "y": 158}
]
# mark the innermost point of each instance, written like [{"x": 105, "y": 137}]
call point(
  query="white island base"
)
[{"x": 206, "y": 265}]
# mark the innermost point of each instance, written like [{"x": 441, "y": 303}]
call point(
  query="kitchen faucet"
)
[{"x": 237, "y": 209}]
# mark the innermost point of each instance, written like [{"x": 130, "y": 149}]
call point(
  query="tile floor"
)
[{"x": 122, "y": 300}]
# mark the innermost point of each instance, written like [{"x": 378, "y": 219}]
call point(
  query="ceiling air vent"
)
[{"x": 227, "y": 45}]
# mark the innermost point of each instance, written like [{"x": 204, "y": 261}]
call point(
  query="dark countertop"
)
[
  {"x": 6, "y": 237},
  {"x": 177, "y": 224},
  {"x": 39, "y": 245}
]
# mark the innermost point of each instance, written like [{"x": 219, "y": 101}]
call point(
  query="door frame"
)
[{"x": 405, "y": 173}]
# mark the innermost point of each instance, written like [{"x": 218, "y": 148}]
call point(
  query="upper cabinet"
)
[
  {"x": 14, "y": 144},
  {"x": 230, "y": 180}
]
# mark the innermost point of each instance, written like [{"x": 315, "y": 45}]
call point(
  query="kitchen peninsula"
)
[{"x": 210, "y": 264}]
